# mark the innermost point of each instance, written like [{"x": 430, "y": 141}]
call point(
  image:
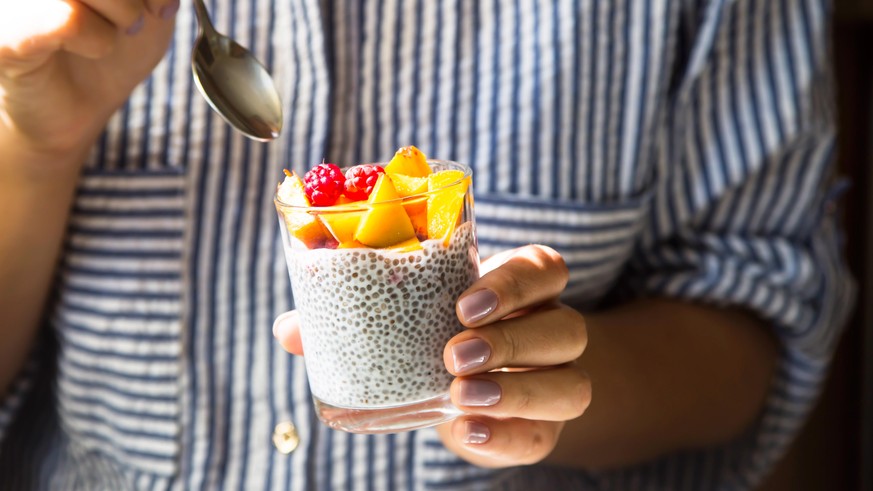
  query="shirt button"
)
[{"x": 285, "y": 437}]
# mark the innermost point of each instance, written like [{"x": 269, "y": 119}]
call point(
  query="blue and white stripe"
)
[{"x": 671, "y": 147}]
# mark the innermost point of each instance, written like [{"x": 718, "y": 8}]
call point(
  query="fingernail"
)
[
  {"x": 470, "y": 354},
  {"x": 478, "y": 305},
  {"x": 476, "y": 433},
  {"x": 169, "y": 10},
  {"x": 478, "y": 393},
  {"x": 136, "y": 26}
]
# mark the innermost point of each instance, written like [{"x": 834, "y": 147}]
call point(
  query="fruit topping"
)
[
  {"x": 409, "y": 161},
  {"x": 360, "y": 180},
  {"x": 445, "y": 202},
  {"x": 324, "y": 183},
  {"x": 386, "y": 222},
  {"x": 408, "y": 185},
  {"x": 302, "y": 225},
  {"x": 342, "y": 224},
  {"x": 395, "y": 207}
]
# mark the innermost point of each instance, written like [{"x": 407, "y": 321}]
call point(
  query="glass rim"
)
[{"x": 364, "y": 205}]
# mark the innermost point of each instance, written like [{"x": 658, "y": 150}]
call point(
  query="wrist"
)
[{"x": 24, "y": 159}]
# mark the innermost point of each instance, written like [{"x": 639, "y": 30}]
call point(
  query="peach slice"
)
[
  {"x": 302, "y": 225},
  {"x": 342, "y": 225},
  {"x": 352, "y": 244},
  {"x": 409, "y": 161},
  {"x": 410, "y": 245},
  {"x": 408, "y": 185},
  {"x": 384, "y": 225},
  {"x": 416, "y": 208},
  {"x": 444, "y": 204}
]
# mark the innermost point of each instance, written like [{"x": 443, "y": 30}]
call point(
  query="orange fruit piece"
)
[
  {"x": 408, "y": 161},
  {"x": 416, "y": 208},
  {"x": 445, "y": 202},
  {"x": 301, "y": 224},
  {"x": 384, "y": 225},
  {"x": 408, "y": 185},
  {"x": 342, "y": 225},
  {"x": 410, "y": 245},
  {"x": 352, "y": 244}
]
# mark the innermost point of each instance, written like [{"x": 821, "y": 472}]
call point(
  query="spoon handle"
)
[{"x": 203, "y": 18}]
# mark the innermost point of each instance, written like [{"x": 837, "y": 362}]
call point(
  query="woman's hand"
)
[
  {"x": 67, "y": 65},
  {"x": 517, "y": 376},
  {"x": 516, "y": 323}
]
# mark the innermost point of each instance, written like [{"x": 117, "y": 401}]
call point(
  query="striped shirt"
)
[{"x": 679, "y": 148}]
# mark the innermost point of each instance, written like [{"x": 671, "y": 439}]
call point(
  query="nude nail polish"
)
[
  {"x": 478, "y": 305},
  {"x": 479, "y": 393},
  {"x": 169, "y": 10},
  {"x": 476, "y": 433},
  {"x": 137, "y": 26},
  {"x": 470, "y": 354}
]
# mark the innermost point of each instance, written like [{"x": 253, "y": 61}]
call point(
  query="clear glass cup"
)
[{"x": 374, "y": 321}]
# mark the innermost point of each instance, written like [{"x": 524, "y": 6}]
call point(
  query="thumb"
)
[{"x": 286, "y": 330}]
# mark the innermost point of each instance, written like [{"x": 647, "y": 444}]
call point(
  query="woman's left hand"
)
[
  {"x": 517, "y": 376},
  {"x": 518, "y": 379}
]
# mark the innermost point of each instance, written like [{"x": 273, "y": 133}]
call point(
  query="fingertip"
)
[
  {"x": 475, "y": 433},
  {"x": 286, "y": 330},
  {"x": 164, "y": 9},
  {"x": 477, "y": 306},
  {"x": 136, "y": 27},
  {"x": 467, "y": 356}
]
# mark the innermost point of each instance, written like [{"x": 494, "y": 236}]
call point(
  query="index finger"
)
[{"x": 533, "y": 275}]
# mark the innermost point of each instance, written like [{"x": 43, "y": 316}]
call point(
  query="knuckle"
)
[
  {"x": 540, "y": 445},
  {"x": 524, "y": 400},
  {"x": 512, "y": 287},
  {"x": 511, "y": 346},
  {"x": 549, "y": 259},
  {"x": 580, "y": 396},
  {"x": 577, "y": 330}
]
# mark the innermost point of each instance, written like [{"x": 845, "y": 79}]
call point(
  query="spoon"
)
[{"x": 234, "y": 82}]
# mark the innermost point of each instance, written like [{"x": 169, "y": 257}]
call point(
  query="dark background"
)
[{"x": 835, "y": 450}]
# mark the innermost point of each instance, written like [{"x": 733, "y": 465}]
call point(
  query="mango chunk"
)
[
  {"x": 302, "y": 225},
  {"x": 384, "y": 225},
  {"x": 352, "y": 244},
  {"x": 409, "y": 161},
  {"x": 416, "y": 208},
  {"x": 342, "y": 225},
  {"x": 408, "y": 185},
  {"x": 410, "y": 245},
  {"x": 444, "y": 204}
]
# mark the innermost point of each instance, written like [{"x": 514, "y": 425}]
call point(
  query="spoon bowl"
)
[{"x": 234, "y": 83}]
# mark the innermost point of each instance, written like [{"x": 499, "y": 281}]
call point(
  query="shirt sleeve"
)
[{"x": 743, "y": 210}]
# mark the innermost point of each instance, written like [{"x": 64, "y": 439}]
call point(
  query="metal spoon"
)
[{"x": 234, "y": 82}]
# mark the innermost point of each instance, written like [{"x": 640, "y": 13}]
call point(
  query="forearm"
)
[
  {"x": 36, "y": 191},
  {"x": 667, "y": 375}
]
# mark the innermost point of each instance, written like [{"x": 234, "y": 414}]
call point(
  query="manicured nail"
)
[
  {"x": 476, "y": 433},
  {"x": 477, "y": 305},
  {"x": 478, "y": 393},
  {"x": 137, "y": 26},
  {"x": 169, "y": 10},
  {"x": 470, "y": 354}
]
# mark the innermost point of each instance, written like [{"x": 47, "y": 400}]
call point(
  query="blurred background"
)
[{"x": 835, "y": 451}]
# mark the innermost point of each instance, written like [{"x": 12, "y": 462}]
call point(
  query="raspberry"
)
[
  {"x": 324, "y": 184},
  {"x": 360, "y": 180}
]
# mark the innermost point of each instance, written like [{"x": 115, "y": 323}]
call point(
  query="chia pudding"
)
[{"x": 374, "y": 322}]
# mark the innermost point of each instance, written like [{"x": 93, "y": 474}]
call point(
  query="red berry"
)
[
  {"x": 323, "y": 184},
  {"x": 360, "y": 180}
]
